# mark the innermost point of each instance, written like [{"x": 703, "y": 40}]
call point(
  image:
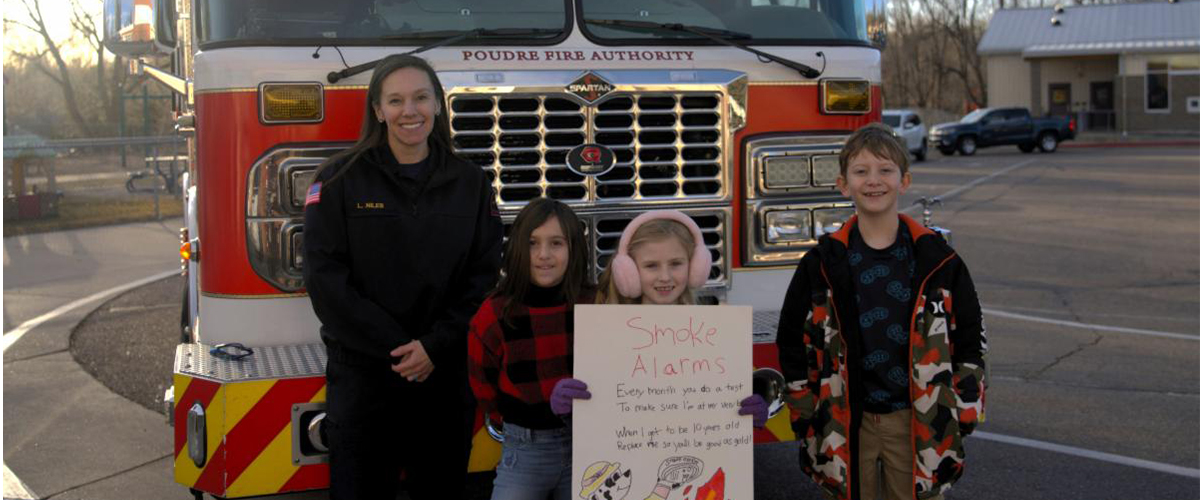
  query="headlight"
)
[
  {"x": 829, "y": 220},
  {"x": 786, "y": 171},
  {"x": 291, "y": 102},
  {"x": 845, "y": 96},
  {"x": 825, "y": 170},
  {"x": 788, "y": 226}
]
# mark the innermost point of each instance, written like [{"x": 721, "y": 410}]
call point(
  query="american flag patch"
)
[{"x": 314, "y": 194}]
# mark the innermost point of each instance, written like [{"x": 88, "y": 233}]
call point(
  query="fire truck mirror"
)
[{"x": 130, "y": 27}]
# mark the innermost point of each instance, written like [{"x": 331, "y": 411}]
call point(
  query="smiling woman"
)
[{"x": 402, "y": 242}]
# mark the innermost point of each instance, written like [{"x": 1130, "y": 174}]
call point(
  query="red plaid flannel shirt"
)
[{"x": 513, "y": 367}]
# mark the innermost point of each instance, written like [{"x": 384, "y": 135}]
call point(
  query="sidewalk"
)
[
  {"x": 66, "y": 436},
  {"x": 1091, "y": 139}
]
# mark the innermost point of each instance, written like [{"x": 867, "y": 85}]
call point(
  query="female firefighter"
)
[{"x": 401, "y": 244}]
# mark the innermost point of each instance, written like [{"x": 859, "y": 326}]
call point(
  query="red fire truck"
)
[{"x": 732, "y": 111}]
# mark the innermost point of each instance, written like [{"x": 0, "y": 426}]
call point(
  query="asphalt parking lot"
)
[{"x": 1087, "y": 262}]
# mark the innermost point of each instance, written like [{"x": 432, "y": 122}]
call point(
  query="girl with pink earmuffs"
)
[{"x": 661, "y": 259}]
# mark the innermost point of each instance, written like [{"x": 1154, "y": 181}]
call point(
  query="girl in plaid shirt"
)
[{"x": 520, "y": 346}]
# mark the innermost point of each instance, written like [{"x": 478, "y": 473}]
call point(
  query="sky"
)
[{"x": 58, "y": 20}]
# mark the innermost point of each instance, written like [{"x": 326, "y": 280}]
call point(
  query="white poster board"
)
[{"x": 666, "y": 382}]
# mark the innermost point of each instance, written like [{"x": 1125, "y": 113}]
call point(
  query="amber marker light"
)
[
  {"x": 291, "y": 102},
  {"x": 849, "y": 97}
]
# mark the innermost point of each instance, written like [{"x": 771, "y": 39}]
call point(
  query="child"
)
[
  {"x": 881, "y": 341},
  {"x": 520, "y": 344},
  {"x": 661, "y": 259}
]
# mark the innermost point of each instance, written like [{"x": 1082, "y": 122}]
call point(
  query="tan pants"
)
[{"x": 885, "y": 447}]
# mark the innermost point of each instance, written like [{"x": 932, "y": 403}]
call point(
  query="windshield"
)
[
  {"x": 776, "y": 21},
  {"x": 892, "y": 120},
  {"x": 974, "y": 116},
  {"x": 362, "y": 22}
]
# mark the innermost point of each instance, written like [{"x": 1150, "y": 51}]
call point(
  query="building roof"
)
[{"x": 1095, "y": 29}]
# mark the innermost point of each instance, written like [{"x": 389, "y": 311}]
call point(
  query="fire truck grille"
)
[
  {"x": 604, "y": 234},
  {"x": 667, "y": 145}
]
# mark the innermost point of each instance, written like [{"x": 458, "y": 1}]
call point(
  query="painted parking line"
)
[
  {"x": 912, "y": 209},
  {"x": 1091, "y": 454},
  {"x": 1088, "y": 326},
  {"x": 15, "y": 334},
  {"x": 14, "y": 488}
]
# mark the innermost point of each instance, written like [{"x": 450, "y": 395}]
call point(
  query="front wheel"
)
[
  {"x": 966, "y": 146},
  {"x": 1048, "y": 142},
  {"x": 922, "y": 153}
]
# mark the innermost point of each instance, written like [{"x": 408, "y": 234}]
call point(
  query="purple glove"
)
[
  {"x": 754, "y": 405},
  {"x": 564, "y": 392}
]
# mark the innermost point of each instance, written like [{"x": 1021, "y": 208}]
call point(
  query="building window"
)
[
  {"x": 1159, "y": 71},
  {"x": 1158, "y": 85}
]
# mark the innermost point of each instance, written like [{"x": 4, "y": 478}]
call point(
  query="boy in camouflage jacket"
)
[{"x": 833, "y": 342}]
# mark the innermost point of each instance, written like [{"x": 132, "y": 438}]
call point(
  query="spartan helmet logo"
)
[
  {"x": 591, "y": 154},
  {"x": 591, "y": 159}
]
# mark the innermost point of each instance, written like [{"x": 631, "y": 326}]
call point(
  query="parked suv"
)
[
  {"x": 1003, "y": 126},
  {"x": 908, "y": 127}
]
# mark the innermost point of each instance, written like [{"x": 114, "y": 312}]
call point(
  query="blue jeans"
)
[{"x": 534, "y": 464}]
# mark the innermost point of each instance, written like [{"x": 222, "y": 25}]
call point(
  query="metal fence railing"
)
[{"x": 123, "y": 173}]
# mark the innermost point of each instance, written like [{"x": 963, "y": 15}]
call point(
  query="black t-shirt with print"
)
[{"x": 883, "y": 289}]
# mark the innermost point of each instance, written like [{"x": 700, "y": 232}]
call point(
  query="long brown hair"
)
[
  {"x": 515, "y": 282},
  {"x": 374, "y": 133},
  {"x": 651, "y": 231}
]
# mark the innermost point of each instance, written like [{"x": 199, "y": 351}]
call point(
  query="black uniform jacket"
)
[{"x": 386, "y": 263}]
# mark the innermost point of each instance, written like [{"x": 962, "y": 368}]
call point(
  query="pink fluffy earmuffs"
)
[{"x": 624, "y": 270}]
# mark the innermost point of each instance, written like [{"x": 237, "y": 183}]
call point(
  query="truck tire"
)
[
  {"x": 1048, "y": 142},
  {"x": 966, "y": 146},
  {"x": 922, "y": 153},
  {"x": 1026, "y": 147}
]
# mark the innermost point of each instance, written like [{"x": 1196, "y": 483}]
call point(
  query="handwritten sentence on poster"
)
[{"x": 680, "y": 437}]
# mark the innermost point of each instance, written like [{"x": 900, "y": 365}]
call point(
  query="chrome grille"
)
[
  {"x": 604, "y": 234},
  {"x": 668, "y": 145}
]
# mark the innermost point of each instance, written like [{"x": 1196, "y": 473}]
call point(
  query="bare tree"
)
[
  {"x": 111, "y": 80},
  {"x": 961, "y": 22}
]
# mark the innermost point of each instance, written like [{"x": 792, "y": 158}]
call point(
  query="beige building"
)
[{"x": 1131, "y": 67}]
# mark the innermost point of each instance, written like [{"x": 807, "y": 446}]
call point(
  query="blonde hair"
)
[{"x": 652, "y": 231}]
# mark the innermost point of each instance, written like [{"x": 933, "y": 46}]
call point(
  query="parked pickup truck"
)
[{"x": 999, "y": 127}]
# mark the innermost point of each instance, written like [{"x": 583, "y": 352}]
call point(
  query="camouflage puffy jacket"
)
[{"x": 818, "y": 354}]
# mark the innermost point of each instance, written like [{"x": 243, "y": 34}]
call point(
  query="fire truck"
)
[{"x": 732, "y": 111}]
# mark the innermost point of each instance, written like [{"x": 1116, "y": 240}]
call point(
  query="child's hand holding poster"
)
[{"x": 663, "y": 423}]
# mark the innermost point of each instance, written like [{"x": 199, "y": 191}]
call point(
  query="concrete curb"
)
[{"x": 1135, "y": 144}]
